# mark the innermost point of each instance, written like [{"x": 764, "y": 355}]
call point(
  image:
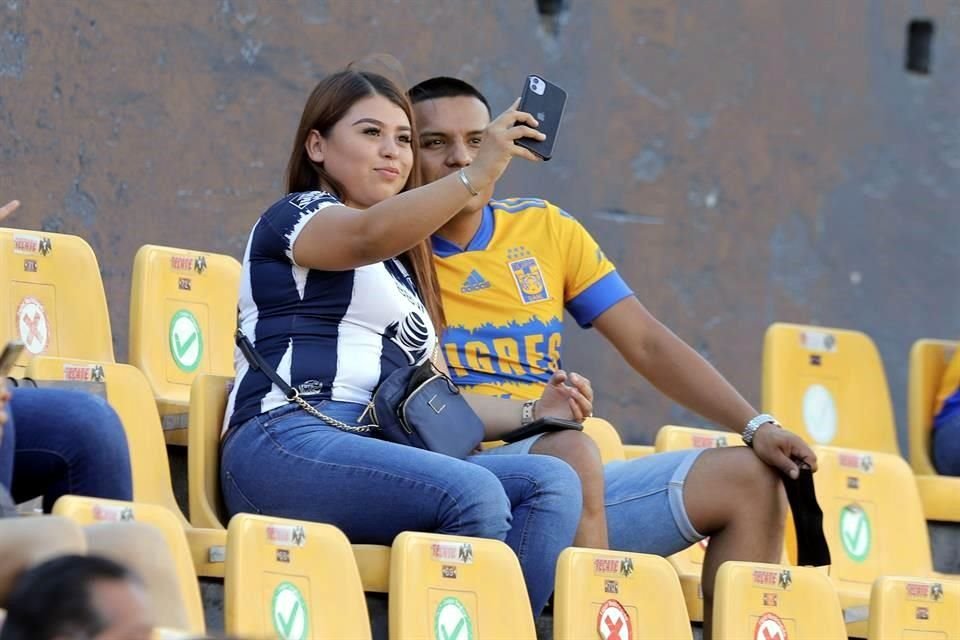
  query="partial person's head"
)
[
  {"x": 451, "y": 116},
  {"x": 77, "y": 598},
  {"x": 355, "y": 140}
]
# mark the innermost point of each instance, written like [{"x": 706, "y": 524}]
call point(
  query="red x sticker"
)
[{"x": 613, "y": 623}]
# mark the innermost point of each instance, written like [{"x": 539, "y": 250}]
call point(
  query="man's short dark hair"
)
[
  {"x": 445, "y": 87},
  {"x": 54, "y": 598}
]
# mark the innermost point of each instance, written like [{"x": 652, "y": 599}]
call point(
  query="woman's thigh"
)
[{"x": 292, "y": 465}]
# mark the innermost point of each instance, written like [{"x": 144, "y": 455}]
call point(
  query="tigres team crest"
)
[{"x": 526, "y": 273}]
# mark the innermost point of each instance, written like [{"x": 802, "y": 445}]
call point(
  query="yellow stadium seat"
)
[
  {"x": 631, "y": 451},
  {"x": 183, "y": 314},
  {"x": 292, "y": 580},
  {"x": 775, "y": 602},
  {"x": 137, "y": 549},
  {"x": 25, "y": 542},
  {"x": 689, "y": 562},
  {"x": 873, "y": 521},
  {"x": 606, "y": 437},
  {"x": 829, "y": 386},
  {"x": 905, "y": 607},
  {"x": 603, "y": 434},
  {"x": 928, "y": 361},
  {"x": 208, "y": 401},
  {"x": 130, "y": 396},
  {"x": 454, "y": 587},
  {"x": 54, "y": 297},
  {"x": 616, "y": 594},
  {"x": 676, "y": 438}
]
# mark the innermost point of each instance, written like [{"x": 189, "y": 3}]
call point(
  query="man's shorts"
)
[{"x": 643, "y": 497}]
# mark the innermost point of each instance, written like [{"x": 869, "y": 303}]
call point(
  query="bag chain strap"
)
[
  {"x": 257, "y": 363},
  {"x": 333, "y": 422}
]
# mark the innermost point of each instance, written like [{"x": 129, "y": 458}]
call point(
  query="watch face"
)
[{"x": 820, "y": 414}]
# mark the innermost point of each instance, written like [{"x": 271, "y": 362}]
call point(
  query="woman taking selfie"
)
[{"x": 338, "y": 292}]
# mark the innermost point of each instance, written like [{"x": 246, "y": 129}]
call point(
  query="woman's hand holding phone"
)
[{"x": 498, "y": 148}]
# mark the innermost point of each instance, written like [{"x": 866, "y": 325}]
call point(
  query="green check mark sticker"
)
[
  {"x": 855, "y": 532},
  {"x": 289, "y": 612},
  {"x": 186, "y": 340},
  {"x": 452, "y": 622}
]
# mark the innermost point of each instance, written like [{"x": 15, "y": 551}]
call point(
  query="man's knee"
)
[
  {"x": 573, "y": 447},
  {"x": 747, "y": 480}
]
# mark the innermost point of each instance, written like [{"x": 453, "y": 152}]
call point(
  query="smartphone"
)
[
  {"x": 542, "y": 425},
  {"x": 544, "y": 101},
  {"x": 9, "y": 356}
]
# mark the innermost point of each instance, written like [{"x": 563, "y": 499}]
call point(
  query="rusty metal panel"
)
[{"x": 742, "y": 161}]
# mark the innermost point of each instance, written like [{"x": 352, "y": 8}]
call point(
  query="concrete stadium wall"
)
[{"x": 741, "y": 161}]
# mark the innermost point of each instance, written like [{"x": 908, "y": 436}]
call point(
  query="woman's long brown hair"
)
[{"x": 328, "y": 102}]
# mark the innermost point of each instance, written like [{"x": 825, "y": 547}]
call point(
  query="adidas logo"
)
[{"x": 474, "y": 282}]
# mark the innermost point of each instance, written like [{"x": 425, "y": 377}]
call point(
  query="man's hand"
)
[
  {"x": 4, "y": 399},
  {"x": 9, "y": 208},
  {"x": 783, "y": 450},
  {"x": 573, "y": 401}
]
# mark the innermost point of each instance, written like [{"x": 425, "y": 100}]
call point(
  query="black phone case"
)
[
  {"x": 543, "y": 425},
  {"x": 548, "y": 110}
]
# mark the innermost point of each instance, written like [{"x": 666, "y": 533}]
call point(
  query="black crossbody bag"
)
[{"x": 417, "y": 406}]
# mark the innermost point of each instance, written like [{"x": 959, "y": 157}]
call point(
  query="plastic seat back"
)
[
  {"x": 872, "y": 516},
  {"x": 905, "y": 607},
  {"x": 775, "y": 602},
  {"x": 136, "y": 553},
  {"x": 606, "y": 437},
  {"x": 208, "y": 401},
  {"x": 454, "y": 587},
  {"x": 616, "y": 594},
  {"x": 25, "y": 542},
  {"x": 183, "y": 315},
  {"x": 928, "y": 362},
  {"x": 829, "y": 386},
  {"x": 55, "y": 302},
  {"x": 293, "y": 580}
]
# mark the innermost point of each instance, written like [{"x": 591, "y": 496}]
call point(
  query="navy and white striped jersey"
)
[{"x": 331, "y": 334}]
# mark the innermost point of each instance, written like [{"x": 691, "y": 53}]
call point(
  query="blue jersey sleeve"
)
[{"x": 597, "y": 298}]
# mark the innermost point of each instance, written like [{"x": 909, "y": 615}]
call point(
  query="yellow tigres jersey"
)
[{"x": 504, "y": 295}]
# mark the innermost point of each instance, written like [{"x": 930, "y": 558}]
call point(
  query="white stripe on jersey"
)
[
  {"x": 276, "y": 398},
  {"x": 247, "y": 324}
]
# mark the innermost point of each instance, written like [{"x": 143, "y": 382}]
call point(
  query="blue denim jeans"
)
[
  {"x": 290, "y": 464},
  {"x": 945, "y": 444},
  {"x": 59, "y": 442},
  {"x": 643, "y": 499}
]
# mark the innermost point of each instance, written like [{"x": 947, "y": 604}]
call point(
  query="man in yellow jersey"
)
[
  {"x": 945, "y": 439},
  {"x": 508, "y": 269}
]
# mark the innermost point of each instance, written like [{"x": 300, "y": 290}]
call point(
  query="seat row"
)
[
  {"x": 293, "y": 580},
  {"x": 872, "y": 513},
  {"x": 815, "y": 377},
  {"x": 829, "y": 383}
]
